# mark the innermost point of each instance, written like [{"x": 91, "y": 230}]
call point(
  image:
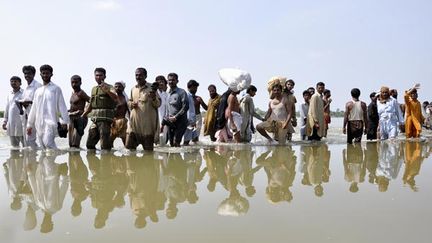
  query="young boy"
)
[{"x": 12, "y": 120}]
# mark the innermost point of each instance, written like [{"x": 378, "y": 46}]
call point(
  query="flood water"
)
[{"x": 370, "y": 192}]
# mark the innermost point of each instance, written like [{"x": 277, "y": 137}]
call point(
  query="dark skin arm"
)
[
  {"x": 203, "y": 105},
  {"x": 365, "y": 119},
  {"x": 348, "y": 108}
]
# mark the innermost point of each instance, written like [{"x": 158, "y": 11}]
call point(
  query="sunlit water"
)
[{"x": 302, "y": 192}]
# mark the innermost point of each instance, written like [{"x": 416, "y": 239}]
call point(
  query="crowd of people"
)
[{"x": 153, "y": 114}]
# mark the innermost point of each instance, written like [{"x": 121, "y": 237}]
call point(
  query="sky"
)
[{"x": 345, "y": 44}]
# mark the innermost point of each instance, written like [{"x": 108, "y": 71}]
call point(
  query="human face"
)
[
  {"x": 212, "y": 92},
  {"x": 172, "y": 82},
  {"x": 140, "y": 77},
  {"x": 311, "y": 91},
  {"x": 306, "y": 98},
  {"x": 76, "y": 84},
  {"x": 29, "y": 76},
  {"x": 162, "y": 85},
  {"x": 289, "y": 86},
  {"x": 414, "y": 95},
  {"x": 99, "y": 77},
  {"x": 193, "y": 89},
  {"x": 252, "y": 93},
  {"x": 46, "y": 76},
  {"x": 385, "y": 94},
  {"x": 118, "y": 88},
  {"x": 320, "y": 89},
  {"x": 15, "y": 84},
  {"x": 276, "y": 92},
  {"x": 328, "y": 95}
]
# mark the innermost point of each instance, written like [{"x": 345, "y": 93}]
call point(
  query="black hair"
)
[
  {"x": 100, "y": 70},
  {"x": 212, "y": 85},
  {"x": 46, "y": 67},
  {"x": 29, "y": 68},
  {"x": 306, "y": 92},
  {"x": 161, "y": 78},
  {"x": 251, "y": 88},
  {"x": 291, "y": 81},
  {"x": 355, "y": 93},
  {"x": 173, "y": 75},
  {"x": 142, "y": 70},
  {"x": 76, "y": 77},
  {"x": 373, "y": 94},
  {"x": 192, "y": 83},
  {"x": 320, "y": 84},
  {"x": 15, "y": 78},
  {"x": 326, "y": 91}
]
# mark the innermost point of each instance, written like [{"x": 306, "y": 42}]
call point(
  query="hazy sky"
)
[{"x": 345, "y": 44}]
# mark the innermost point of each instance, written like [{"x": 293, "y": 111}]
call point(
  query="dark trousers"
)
[
  {"x": 176, "y": 132},
  {"x": 133, "y": 140},
  {"x": 314, "y": 136},
  {"x": 100, "y": 130},
  {"x": 354, "y": 131}
]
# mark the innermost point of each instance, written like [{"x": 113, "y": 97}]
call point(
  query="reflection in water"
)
[
  {"x": 279, "y": 165},
  {"x": 157, "y": 183},
  {"x": 354, "y": 166},
  {"x": 316, "y": 167}
]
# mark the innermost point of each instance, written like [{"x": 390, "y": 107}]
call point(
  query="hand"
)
[
  {"x": 316, "y": 125},
  {"x": 416, "y": 86},
  {"x": 104, "y": 87},
  {"x": 4, "y": 126},
  {"x": 172, "y": 118},
  {"x": 152, "y": 95},
  {"x": 29, "y": 131}
]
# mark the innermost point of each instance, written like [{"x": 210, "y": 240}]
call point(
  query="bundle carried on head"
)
[
  {"x": 235, "y": 79},
  {"x": 275, "y": 80}
]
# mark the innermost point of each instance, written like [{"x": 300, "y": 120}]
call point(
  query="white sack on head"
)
[{"x": 235, "y": 79}]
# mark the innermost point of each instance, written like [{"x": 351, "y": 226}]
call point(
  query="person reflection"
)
[
  {"x": 49, "y": 184},
  {"x": 103, "y": 191},
  {"x": 354, "y": 165},
  {"x": 413, "y": 161},
  {"x": 194, "y": 174},
  {"x": 371, "y": 157},
  {"x": 30, "y": 165},
  {"x": 279, "y": 164},
  {"x": 317, "y": 160},
  {"x": 174, "y": 183},
  {"x": 143, "y": 176},
  {"x": 389, "y": 164},
  {"x": 78, "y": 173},
  {"x": 247, "y": 177},
  {"x": 235, "y": 204},
  {"x": 14, "y": 175},
  {"x": 216, "y": 161}
]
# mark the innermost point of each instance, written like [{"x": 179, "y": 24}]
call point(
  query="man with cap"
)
[
  {"x": 389, "y": 113},
  {"x": 413, "y": 114}
]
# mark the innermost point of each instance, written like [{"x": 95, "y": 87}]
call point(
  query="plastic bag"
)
[{"x": 235, "y": 79}]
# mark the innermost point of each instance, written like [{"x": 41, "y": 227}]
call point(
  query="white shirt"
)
[
  {"x": 304, "y": 109},
  {"x": 28, "y": 94},
  {"x": 12, "y": 117},
  {"x": 48, "y": 103},
  {"x": 162, "y": 110}
]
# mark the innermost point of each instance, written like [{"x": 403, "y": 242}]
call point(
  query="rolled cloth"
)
[
  {"x": 275, "y": 80},
  {"x": 384, "y": 89},
  {"x": 235, "y": 79}
]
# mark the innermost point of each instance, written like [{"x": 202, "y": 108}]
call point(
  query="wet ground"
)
[{"x": 370, "y": 192}]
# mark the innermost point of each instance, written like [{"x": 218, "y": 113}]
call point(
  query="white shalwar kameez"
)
[
  {"x": 12, "y": 118},
  {"x": 48, "y": 103},
  {"x": 28, "y": 95},
  {"x": 390, "y": 115}
]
